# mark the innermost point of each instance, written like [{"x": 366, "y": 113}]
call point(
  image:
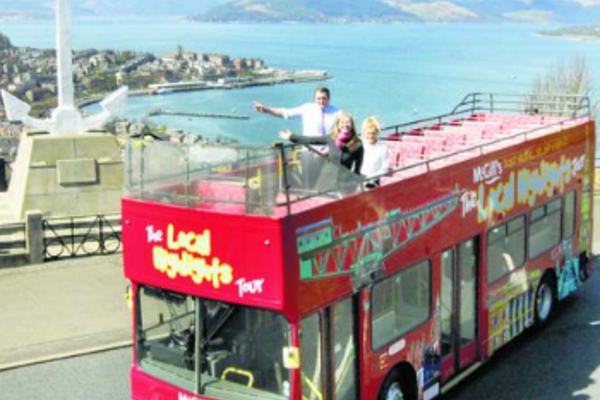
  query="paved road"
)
[
  {"x": 562, "y": 362},
  {"x": 101, "y": 376},
  {"x": 60, "y": 308}
]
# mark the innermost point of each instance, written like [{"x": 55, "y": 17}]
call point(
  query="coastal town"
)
[{"x": 30, "y": 74}]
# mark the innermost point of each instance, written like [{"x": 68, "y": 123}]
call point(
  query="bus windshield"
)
[{"x": 212, "y": 348}]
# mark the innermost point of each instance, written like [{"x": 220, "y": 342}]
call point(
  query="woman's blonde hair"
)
[
  {"x": 336, "y": 130},
  {"x": 371, "y": 123}
]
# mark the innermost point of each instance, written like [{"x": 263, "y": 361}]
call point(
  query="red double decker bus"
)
[{"x": 255, "y": 277}]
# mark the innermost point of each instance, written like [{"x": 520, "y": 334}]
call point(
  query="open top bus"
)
[{"x": 254, "y": 280}]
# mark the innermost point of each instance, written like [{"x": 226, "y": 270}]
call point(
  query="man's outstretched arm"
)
[{"x": 275, "y": 112}]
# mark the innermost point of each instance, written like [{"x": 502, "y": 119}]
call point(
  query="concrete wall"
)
[
  {"x": 65, "y": 175},
  {"x": 33, "y": 253}
]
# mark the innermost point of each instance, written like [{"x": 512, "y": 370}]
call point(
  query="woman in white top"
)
[{"x": 376, "y": 160}]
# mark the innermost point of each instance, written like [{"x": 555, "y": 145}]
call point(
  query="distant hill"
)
[
  {"x": 536, "y": 11},
  {"x": 304, "y": 11},
  {"x": 577, "y": 12},
  {"x": 99, "y": 8},
  {"x": 564, "y": 11}
]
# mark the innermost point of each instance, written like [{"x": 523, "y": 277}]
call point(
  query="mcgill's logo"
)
[{"x": 489, "y": 172}]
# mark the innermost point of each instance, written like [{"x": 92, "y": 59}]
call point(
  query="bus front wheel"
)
[
  {"x": 544, "y": 301},
  {"x": 398, "y": 386}
]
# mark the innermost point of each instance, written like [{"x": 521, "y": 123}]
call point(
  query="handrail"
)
[
  {"x": 13, "y": 226},
  {"x": 480, "y": 101},
  {"x": 583, "y": 104}
]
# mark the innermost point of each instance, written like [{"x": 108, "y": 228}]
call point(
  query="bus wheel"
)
[
  {"x": 397, "y": 387},
  {"x": 544, "y": 301}
]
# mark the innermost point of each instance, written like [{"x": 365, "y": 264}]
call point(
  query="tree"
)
[
  {"x": 4, "y": 41},
  {"x": 563, "y": 89}
]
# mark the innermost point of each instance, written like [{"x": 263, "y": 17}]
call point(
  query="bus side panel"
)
[{"x": 527, "y": 184}]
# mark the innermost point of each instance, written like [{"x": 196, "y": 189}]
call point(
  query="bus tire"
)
[
  {"x": 545, "y": 300},
  {"x": 400, "y": 384}
]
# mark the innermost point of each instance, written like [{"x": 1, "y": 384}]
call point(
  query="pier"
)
[
  {"x": 223, "y": 84},
  {"x": 160, "y": 112},
  {"x": 239, "y": 83}
]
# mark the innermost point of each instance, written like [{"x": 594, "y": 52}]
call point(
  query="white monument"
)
[
  {"x": 66, "y": 118},
  {"x": 61, "y": 168}
]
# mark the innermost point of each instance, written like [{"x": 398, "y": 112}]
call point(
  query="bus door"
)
[
  {"x": 328, "y": 353},
  {"x": 458, "y": 304}
]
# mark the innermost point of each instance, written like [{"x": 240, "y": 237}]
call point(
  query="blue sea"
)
[{"x": 396, "y": 72}]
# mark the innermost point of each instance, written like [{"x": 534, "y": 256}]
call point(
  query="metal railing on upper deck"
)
[
  {"x": 533, "y": 104},
  {"x": 568, "y": 108},
  {"x": 275, "y": 181}
]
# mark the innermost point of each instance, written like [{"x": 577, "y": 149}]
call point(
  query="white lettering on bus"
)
[
  {"x": 469, "y": 202},
  {"x": 489, "y": 172},
  {"x": 184, "y": 396},
  {"x": 252, "y": 287},
  {"x": 397, "y": 347},
  {"x": 154, "y": 236}
]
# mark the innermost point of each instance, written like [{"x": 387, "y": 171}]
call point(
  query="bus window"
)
[
  {"x": 467, "y": 256},
  {"x": 544, "y": 228},
  {"x": 212, "y": 348},
  {"x": 401, "y": 303},
  {"x": 344, "y": 351},
  {"x": 311, "y": 358},
  {"x": 165, "y": 336},
  {"x": 569, "y": 216},
  {"x": 505, "y": 248},
  {"x": 447, "y": 301}
]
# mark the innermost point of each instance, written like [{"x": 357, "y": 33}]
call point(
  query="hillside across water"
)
[{"x": 321, "y": 11}]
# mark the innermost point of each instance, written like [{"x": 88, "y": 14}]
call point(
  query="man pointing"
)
[{"x": 318, "y": 118}]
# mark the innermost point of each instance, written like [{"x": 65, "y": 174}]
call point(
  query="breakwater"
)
[
  {"x": 239, "y": 83},
  {"x": 159, "y": 112},
  {"x": 174, "y": 87}
]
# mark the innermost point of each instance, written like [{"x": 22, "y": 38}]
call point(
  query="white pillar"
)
[
  {"x": 66, "y": 118},
  {"x": 64, "y": 55}
]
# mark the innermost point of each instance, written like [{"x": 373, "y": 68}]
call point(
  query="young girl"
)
[{"x": 376, "y": 161}]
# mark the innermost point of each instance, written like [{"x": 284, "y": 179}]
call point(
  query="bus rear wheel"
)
[
  {"x": 397, "y": 387},
  {"x": 544, "y": 301}
]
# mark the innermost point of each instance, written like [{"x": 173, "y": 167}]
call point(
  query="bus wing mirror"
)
[{"x": 291, "y": 357}]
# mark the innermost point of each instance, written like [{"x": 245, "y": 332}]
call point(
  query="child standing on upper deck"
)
[{"x": 376, "y": 161}]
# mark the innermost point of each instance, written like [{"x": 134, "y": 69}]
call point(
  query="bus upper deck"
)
[{"x": 277, "y": 181}]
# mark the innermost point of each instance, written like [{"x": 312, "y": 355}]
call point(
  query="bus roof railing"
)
[{"x": 571, "y": 106}]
